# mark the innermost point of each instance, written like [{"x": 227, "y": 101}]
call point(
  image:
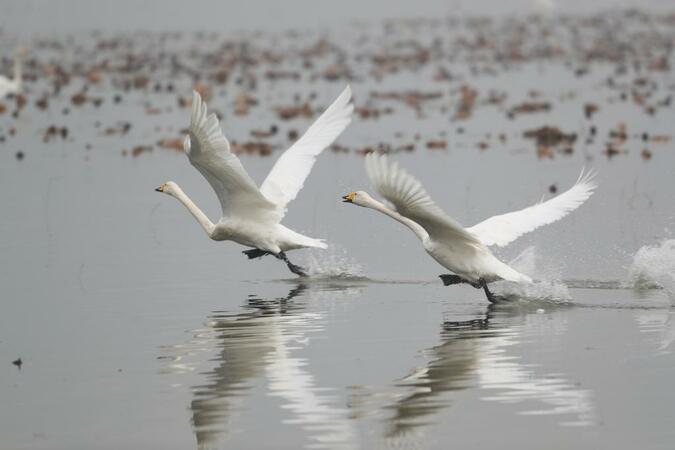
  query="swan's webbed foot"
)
[
  {"x": 299, "y": 271},
  {"x": 450, "y": 279},
  {"x": 492, "y": 298},
  {"x": 255, "y": 253}
]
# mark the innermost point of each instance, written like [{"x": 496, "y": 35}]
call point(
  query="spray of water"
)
[
  {"x": 654, "y": 266},
  {"x": 333, "y": 263},
  {"x": 547, "y": 285}
]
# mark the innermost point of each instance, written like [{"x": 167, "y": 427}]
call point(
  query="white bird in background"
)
[
  {"x": 252, "y": 215},
  {"x": 464, "y": 251},
  {"x": 14, "y": 85}
]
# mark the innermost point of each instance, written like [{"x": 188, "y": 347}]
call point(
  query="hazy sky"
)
[{"x": 64, "y": 15}]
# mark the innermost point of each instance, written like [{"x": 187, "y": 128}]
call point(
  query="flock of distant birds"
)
[{"x": 252, "y": 215}]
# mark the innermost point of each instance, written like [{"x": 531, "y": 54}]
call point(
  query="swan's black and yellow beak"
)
[
  {"x": 349, "y": 198},
  {"x": 160, "y": 189}
]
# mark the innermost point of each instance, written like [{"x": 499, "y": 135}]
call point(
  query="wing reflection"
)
[
  {"x": 257, "y": 345},
  {"x": 662, "y": 323},
  {"x": 475, "y": 353},
  {"x": 451, "y": 368}
]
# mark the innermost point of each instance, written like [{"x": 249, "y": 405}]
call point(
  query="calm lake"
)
[{"x": 136, "y": 331}]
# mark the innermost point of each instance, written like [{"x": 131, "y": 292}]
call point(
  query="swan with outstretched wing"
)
[
  {"x": 252, "y": 215},
  {"x": 464, "y": 251}
]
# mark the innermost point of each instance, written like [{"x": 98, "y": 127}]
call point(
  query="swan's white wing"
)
[
  {"x": 411, "y": 200},
  {"x": 505, "y": 228},
  {"x": 209, "y": 152},
  {"x": 292, "y": 168}
]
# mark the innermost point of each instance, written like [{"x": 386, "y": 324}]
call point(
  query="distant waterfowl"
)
[
  {"x": 14, "y": 85},
  {"x": 251, "y": 216},
  {"x": 464, "y": 251}
]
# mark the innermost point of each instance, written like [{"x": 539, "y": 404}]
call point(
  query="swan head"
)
[
  {"x": 169, "y": 188},
  {"x": 358, "y": 198}
]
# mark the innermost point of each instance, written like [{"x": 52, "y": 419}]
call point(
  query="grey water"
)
[{"x": 136, "y": 331}]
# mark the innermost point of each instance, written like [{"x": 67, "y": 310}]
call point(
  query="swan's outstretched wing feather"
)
[
  {"x": 411, "y": 200},
  {"x": 505, "y": 228},
  {"x": 209, "y": 152},
  {"x": 292, "y": 168}
]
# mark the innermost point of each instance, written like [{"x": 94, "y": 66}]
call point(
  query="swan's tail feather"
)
[
  {"x": 308, "y": 242},
  {"x": 509, "y": 274},
  {"x": 295, "y": 240},
  {"x": 319, "y": 243}
]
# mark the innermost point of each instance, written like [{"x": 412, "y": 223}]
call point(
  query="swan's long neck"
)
[
  {"x": 18, "y": 72},
  {"x": 420, "y": 232},
  {"x": 197, "y": 213}
]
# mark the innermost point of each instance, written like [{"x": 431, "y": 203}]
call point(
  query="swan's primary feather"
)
[
  {"x": 209, "y": 152},
  {"x": 292, "y": 168},
  {"x": 505, "y": 228},
  {"x": 411, "y": 200}
]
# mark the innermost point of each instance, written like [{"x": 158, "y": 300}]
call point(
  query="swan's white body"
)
[
  {"x": 251, "y": 216},
  {"x": 14, "y": 85},
  {"x": 464, "y": 251},
  {"x": 247, "y": 231}
]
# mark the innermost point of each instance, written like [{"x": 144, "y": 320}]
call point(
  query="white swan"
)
[
  {"x": 14, "y": 85},
  {"x": 252, "y": 215},
  {"x": 462, "y": 250}
]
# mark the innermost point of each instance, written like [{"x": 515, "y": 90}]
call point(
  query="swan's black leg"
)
[
  {"x": 299, "y": 271},
  {"x": 449, "y": 279},
  {"x": 490, "y": 296},
  {"x": 255, "y": 253}
]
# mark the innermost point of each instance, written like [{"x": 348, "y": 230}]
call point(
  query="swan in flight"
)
[
  {"x": 464, "y": 251},
  {"x": 252, "y": 216},
  {"x": 13, "y": 86}
]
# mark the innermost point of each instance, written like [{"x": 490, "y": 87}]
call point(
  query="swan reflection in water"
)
[
  {"x": 660, "y": 323},
  {"x": 475, "y": 354},
  {"x": 259, "y": 343}
]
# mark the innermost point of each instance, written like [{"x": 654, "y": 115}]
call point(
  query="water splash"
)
[
  {"x": 333, "y": 263},
  {"x": 546, "y": 287},
  {"x": 654, "y": 266}
]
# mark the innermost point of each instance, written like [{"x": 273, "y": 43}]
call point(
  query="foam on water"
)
[{"x": 654, "y": 266}]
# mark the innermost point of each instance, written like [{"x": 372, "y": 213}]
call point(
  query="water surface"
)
[{"x": 136, "y": 331}]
